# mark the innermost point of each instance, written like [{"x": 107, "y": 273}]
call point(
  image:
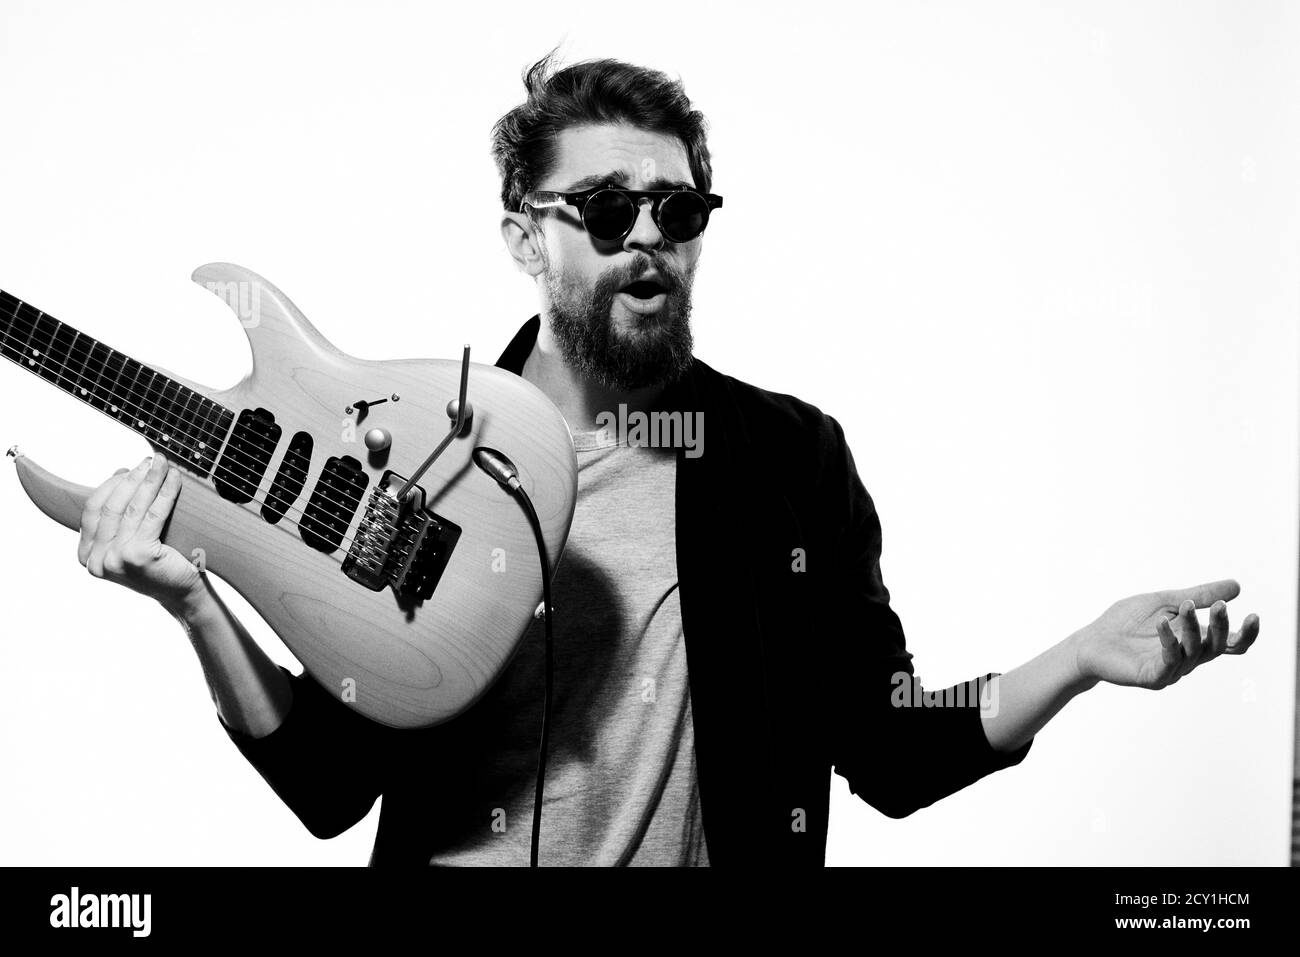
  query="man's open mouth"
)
[{"x": 644, "y": 289}]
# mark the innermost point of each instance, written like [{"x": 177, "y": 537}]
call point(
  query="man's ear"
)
[{"x": 523, "y": 242}]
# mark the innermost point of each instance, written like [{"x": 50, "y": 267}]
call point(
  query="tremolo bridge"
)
[{"x": 400, "y": 543}]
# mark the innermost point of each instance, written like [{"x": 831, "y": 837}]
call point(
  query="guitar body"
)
[{"x": 403, "y": 662}]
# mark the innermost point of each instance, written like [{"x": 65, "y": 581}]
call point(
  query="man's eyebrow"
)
[
  {"x": 620, "y": 178},
  {"x": 617, "y": 177},
  {"x": 660, "y": 182}
]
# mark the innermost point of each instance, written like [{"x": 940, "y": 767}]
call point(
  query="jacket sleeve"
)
[
  {"x": 324, "y": 760},
  {"x": 897, "y": 753}
]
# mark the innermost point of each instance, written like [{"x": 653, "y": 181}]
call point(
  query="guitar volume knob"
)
[{"x": 378, "y": 440}]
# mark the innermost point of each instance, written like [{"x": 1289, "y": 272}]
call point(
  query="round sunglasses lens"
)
[
  {"x": 683, "y": 216},
  {"x": 608, "y": 215}
]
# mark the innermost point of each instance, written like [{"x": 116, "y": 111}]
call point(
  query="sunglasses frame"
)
[{"x": 543, "y": 199}]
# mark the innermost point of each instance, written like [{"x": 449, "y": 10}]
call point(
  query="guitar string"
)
[
  {"x": 221, "y": 463},
  {"x": 82, "y": 377},
  {"x": 81, "y": 380},
  {"x": 219, "y": 438},
  {"x": 286, "y": 526}
]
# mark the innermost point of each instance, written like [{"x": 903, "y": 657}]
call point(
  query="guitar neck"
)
[{"x": 188, "y": 426}]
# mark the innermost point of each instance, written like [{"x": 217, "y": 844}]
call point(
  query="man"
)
[{"x": 723, "y": 633}]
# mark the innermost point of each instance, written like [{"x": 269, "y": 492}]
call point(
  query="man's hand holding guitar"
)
[
  {"x": 121, "y": 541},
  {"x": 121, "y": 536}
]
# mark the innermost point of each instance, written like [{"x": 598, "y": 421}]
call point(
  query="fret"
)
[
  {"x": 95, "y": 376},
  {"x": 74, "y": 364},
  {"x": 212, "y": 428},
  {"x": 191, "y": 429},
  {"x": 186, "y": 425},
  {"x": 222, "y": 422},
  {"x": 129, "y": 393},
  {"x": 82, "y": 351},
  {"x": 64, "y": 338},
  {"x": 140, "y": 396},
  {"x": 151, "y": 411},
  {"x": 127, "y": 399},
  {"x": 9, "y": 345},
  {"x": 203, "y": 442},
  {"x": 211, "y": 436},
  {"x": 172, "y": 426},
  {"x": 38, "y": 347},
  {"x": 217, "y": 424},
  {"x": 20, "y": 327},
  {"x": 146, "y": 405},
  {"x": 223, "y": 425},
  {"x": 167, "y": 422},
  {"x": 113, "y": 372},
  {"x": 209, "y": 433}
]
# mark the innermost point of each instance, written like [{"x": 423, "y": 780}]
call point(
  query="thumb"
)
[{"x": 1204, "y": 595}]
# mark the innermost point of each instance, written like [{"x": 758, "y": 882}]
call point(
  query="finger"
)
[
  {"x": 1190, "y": 637},
  {"x": 144, "y": 495},
  {"x": 156, "y": 513},
  {"x": 1171, "y": 651},
  {"x": 1204, "y": 595},
  {"x": 1216, "y": 634},
  {"x": 1239, "y": 642},
  {"x": 1190, "y": 629},
  {"x": 110, "y": 513},
  {"x": 90, "y": 513}
]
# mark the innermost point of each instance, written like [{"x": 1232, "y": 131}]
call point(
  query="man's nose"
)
[{"x": 645, "y": 234}]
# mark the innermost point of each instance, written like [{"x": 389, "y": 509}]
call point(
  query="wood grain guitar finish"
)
[{"x": 407, "y": 607}]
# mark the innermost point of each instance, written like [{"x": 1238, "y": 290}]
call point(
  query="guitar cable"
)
[{"x": 503, "y": 471}]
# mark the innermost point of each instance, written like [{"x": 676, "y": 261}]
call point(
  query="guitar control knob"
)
[{"x": 377, "y": 440}]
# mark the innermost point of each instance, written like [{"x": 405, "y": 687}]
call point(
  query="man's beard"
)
[{"x": 656, "y": 351}]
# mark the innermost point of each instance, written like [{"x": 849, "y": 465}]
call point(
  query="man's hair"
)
[{"x": 524, "y": 141}]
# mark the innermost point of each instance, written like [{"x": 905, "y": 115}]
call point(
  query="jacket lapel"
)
[
  {"x": 715, "y": 521},
  {"x": 516, "y": 353}
]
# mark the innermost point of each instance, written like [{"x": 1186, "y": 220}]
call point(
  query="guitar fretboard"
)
[{"x": 188, "y": 426}]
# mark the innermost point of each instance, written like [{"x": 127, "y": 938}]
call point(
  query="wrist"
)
[
  {"x": 1079, "y": 676},
  {"x": 192, "y": 606}
]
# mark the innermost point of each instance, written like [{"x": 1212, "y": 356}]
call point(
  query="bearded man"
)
[{"x": 723, "y": 635}]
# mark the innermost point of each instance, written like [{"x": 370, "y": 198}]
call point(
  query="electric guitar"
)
[{"x": 339, "y": 496}]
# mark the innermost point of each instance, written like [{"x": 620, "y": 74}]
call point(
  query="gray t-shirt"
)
[{"x": 620, "y": 779}]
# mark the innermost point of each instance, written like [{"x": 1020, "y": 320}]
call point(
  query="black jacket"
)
[{"x": 791, "y": 671}]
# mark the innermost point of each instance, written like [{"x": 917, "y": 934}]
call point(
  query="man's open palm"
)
[{"x": 1135, "y": 642}]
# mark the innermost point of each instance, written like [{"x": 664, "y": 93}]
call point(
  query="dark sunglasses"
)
[{"x": 609, "y": 212}]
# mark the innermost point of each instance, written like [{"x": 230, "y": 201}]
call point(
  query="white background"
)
[{"x": 1042, "y": 262}]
